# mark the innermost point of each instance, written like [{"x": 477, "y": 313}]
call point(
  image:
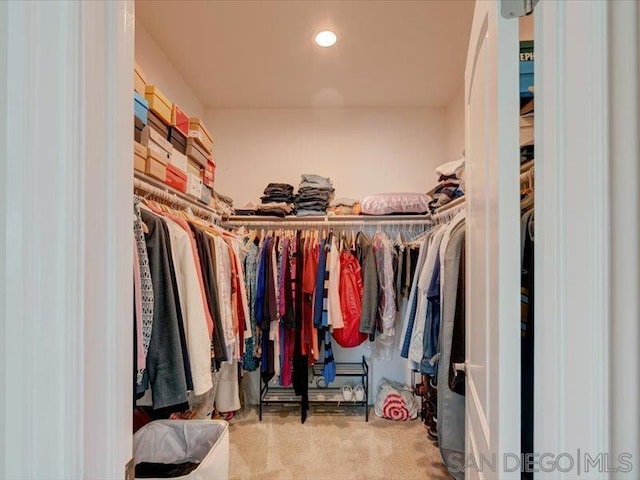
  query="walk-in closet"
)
[
  {"x": 300, "y": 178},
  {"x": 319, "y": 239},
  {"x": 300, "y": 212}
]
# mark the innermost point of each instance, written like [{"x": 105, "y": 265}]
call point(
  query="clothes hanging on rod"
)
[
  {"x": 347, "y": 286},
  {"x": 433, "y": 327},
  {"x": 150, "y": 187},
  {"x": 526, "y": 310},
  {"x": 191, "y": 335},
  {"x": 451, "y": 412}
]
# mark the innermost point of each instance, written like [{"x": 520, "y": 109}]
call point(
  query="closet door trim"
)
[
  {"x": 66, "y": 83},
  {"x": 578, "y": 289}
]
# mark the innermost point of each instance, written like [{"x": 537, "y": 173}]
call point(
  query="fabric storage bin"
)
[
  {"x": 156, "y": 123},
  {"x": 173, "y": 441},
  {"x": 199, "y": 132},
  {"x": 176, "y": 178},
  {"x": 157, "y": 144},
  {"x": 138, "y": 127},
  {"x": 178, "y": 140},
  {"x": 179, "y": 161},
  {"x": 140, "y": 107},
  {"x": 196, "y": 152},
  {"x": 155, "y": 168},
  {"x": 206, "y": 195},
  {"x": 209, "y": 173},
  {"x": 159, "y": 103},
  {"x": 180, "y": 120},
  {"x": 139, "y": 80}
]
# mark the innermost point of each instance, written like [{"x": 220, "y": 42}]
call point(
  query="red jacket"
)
[{"x": 351, "y": 290}]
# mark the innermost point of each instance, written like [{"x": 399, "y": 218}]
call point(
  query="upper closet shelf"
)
[{"x": 333, "y": 220}]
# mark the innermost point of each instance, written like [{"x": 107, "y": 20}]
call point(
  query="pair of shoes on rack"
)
[{"x": 356, "y": 393}]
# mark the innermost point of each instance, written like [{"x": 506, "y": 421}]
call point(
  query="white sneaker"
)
[
  {"x": 347, "y": 393},
  {"x": 358, "y": 392}
]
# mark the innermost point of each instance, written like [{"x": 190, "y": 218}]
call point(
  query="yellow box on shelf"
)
[
  {"x": 199, "y": 132},
  {"x": 159, "y": 103}
]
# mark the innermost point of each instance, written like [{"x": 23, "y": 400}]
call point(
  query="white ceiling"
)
[{"x": 261, "y": 54}]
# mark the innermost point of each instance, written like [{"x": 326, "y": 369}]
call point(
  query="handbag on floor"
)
[{"x": 395, "y": 401}]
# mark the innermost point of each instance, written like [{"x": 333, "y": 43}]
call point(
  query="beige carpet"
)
[{"x": 330, "y": 446}]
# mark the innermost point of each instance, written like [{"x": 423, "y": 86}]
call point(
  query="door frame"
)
[
  {"x": 64, "y": 408},
  {"x": 66, "y": 77},
  {"x": 587, "y": 243}
]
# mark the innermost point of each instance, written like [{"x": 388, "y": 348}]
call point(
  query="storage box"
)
[
  {"x": 139, "y": 163},
  {"x": 198, "y": 131},
  {"x": 156, "y": 123},
  {"x": 178, "y": 140},
  {"x": 158, "y": 103},
  {"x": 156, "y": 169},
  {"x": 139, "y": 80},
  {"x": 209, "y": 173},
  {"x": 171, "y": 441},
  {"x": 138, "y": 126},
  {"x": 176, "y": 178},
  {"x": 206, "y": 195},
  {"x": 194, "y": 185},
  {"x": 155, "y": 143},
  {"x": 140, "y": 149},
  {"x": 140, "y": 107},
  {"x": 139, "y": 157},
  {"x": 180, "y": 120},
  {"x": 179, "y": 161},
  {"x": 159, "y": 155},
  {"x": 194, "y": 168},
  {"x": 196, "y": 152}
]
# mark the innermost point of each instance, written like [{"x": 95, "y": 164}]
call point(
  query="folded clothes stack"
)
[
  {"x": 221, "y": 203},
  {"x": 278, "y": 193},
  {"x": 248, "y": 209},
  {"x": 314, "y": 194},
  {"x": 451, "y": 184},
  {"x": 344, "y": 206},
  {"x": 275, "y": 209}
]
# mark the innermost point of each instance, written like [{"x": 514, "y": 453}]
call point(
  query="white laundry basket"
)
[{"x": 175, "y": 441}]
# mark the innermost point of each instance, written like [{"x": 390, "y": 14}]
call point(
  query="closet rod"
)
[
  {"x": 167, "y": 194},
  {"x": 350, "y": 221},
  {"x": 452, "y": 204}
]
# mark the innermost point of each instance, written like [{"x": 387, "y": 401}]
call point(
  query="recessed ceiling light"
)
[{"x": 326, "y": 39}]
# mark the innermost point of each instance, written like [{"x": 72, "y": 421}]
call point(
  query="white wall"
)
[
  {"x": 363, "y": 150},
  {"x": 161, "y": 72},
  {"x": 455, "y": 125}
]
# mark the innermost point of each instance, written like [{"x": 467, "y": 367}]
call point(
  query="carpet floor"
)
[{"x": 330, "y": 446}]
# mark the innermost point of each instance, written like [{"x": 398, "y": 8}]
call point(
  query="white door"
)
[{"x": 493, "y": 256}]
